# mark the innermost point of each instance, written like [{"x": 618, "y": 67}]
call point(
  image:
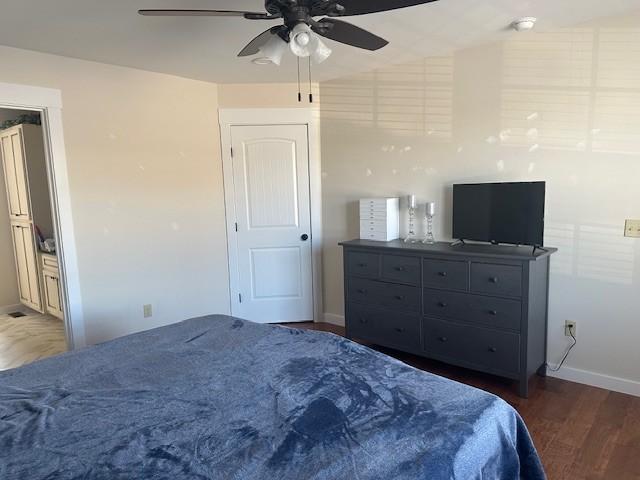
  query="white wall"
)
[
  {"x": 146, "y": 189},
  {"x": 266, "y": 95},
  {"x": 561, "y": 106}
]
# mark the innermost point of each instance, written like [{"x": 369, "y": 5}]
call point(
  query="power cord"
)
[{"x": 575, "y": 342}]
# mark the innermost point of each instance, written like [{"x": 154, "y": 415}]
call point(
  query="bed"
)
[{"x": 222, "y": 398}]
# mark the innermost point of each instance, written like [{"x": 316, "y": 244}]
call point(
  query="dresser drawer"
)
[
  {"x": 370, "y": 292},
  {"x": 388, "y": 328},
  {"x": 401, "y": 269},
  {"x": 363, "y": 264},
  {"x": 448, "y": 274},
  {"x": 473, "y": 347},
  {"x": 496, "y": 279},
  {"x": 360, "y": 290},
  {"x": 376, "y": 203},
  {"x": 488, "y": 311},
  {"x": 377, "y": 236},
  {"x": 373, "y": 216},
  {"x": 399, "y": 297},
  {"x": 373, "y": 226},
  {"x": 49, "y": 261}
]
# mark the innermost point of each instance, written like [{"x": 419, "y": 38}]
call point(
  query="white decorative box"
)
[{"x": 380, "y": 219}]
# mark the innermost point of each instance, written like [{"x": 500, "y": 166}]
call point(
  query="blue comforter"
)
[{"x": 221, "y": 398}]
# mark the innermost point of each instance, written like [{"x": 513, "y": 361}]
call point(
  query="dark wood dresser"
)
[{"x": 482, "y": 307}]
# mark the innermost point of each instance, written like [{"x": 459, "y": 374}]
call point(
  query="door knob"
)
[{"x": 304, "y": 237}]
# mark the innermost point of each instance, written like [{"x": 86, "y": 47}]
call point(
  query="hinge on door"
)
[
  {"x": 240, "y": 297},
  {"x": 236, "y": 226},
  {"x": 231, "y": 152}
]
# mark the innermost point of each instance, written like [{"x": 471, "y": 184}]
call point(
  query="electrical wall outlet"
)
[
  {"x": 632, "y": 228},
  {"x": 570, "y": 327},
  {"x": 148, "y": 311}
]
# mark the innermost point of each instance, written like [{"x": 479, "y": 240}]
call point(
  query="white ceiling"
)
[{"x": 110, "y": 31}]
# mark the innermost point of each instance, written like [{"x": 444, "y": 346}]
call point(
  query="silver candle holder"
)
[
  {"x": 430, "y": 212},
  {"x": 411, "y": 204}
]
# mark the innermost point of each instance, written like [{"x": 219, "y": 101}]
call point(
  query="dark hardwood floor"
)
[{"x": 581, "y": 432}]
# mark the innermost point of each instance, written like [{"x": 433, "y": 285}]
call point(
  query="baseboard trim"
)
[
  {"x": 334, "y": 319},
  {"x": 12, "y": 308},
  {"x": 599, "y": 380}
]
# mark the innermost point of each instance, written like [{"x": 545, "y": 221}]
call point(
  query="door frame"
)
[
  {"x": 230, "y": 117},
  {"x": 48, "y": 102}
]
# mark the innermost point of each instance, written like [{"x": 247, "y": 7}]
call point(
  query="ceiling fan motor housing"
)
[{"x": 302, "y": 11}]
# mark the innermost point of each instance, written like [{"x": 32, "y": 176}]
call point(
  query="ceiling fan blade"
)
[
  {"x": 253, "y": 47},
  {"x": 344, "y": 32},
  {"x": 206, "y": 13},
  {"x": 363, "y": 7}
]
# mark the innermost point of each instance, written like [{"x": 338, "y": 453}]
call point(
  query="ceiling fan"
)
[{"x": 301, "y": 31}]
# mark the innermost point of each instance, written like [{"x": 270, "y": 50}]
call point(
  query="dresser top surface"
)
[{"x": 444, "y": 248}]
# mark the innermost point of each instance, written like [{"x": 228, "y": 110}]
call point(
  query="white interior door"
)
[{"x": 273, "y": 238}]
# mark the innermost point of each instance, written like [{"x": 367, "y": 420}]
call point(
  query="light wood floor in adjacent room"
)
[
  {"x": 581, "y": 432},
  {"x": 26, "y": 339}
]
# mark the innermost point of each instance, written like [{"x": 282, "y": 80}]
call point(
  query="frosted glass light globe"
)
[{"x": 303, "y": 39}]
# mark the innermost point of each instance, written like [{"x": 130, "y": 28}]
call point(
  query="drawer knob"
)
[
  {"x": 493, "y": 280},
  {"x": 442, "y": 304},
  {"x": 362, "y": 291},
  {"x": 493, "y": 349},
  {"x": 362, "y": 265},
  {"x": 399, "y": 330},
  {"x": 399, "y": 297},
  {"x": 400, "y": 269},
  {"x": 363, "y": 320},
  {"x": 443, "y": 339},
  {"x": 442, "y": 274},
  {"x": 493, "y": 312}
]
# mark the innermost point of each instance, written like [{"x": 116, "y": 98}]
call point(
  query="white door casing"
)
[
  {"x": 49, "y": 103},
  {"x": 273, "y": 238},
  {"x": 271, "y": 184}
]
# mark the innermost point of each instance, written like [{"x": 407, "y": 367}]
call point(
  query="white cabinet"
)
[
  {"x": 380, "y": 219},
  {"x": 15, "y": 173},
  {"x": 25, "y": 174},
  {"x": 51, "y": 285},
  {"x": 26, "y": 265}
]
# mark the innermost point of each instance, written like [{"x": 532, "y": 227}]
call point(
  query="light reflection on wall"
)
[
  {"x": 573, "y": 89},
  {"x": 595, "y": 252},
  {"x": 561, "y": 58},
  {"x": 617, "y": 122},
  {"x": 616, "y": 265},
  {"x": 409, "y": 99},
  {"x": 557, "y": 119}
]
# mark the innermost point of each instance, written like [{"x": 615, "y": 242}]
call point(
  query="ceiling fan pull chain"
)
[
  {"x": 299, "y": 89},
  {"x": 310, "y": 85}
]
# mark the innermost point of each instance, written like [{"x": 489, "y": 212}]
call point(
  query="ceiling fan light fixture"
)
[
  {"x": 302, "y": 40},
  {"x": 321, "y": 54},
  {"x": 273, "y": 51},
  {"x": 305, "y": 43}
]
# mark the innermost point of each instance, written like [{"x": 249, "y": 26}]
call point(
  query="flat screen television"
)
[{"x": 500, "y": 212}]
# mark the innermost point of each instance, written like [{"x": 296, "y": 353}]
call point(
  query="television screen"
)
[{"x": 499, "y": 212}]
